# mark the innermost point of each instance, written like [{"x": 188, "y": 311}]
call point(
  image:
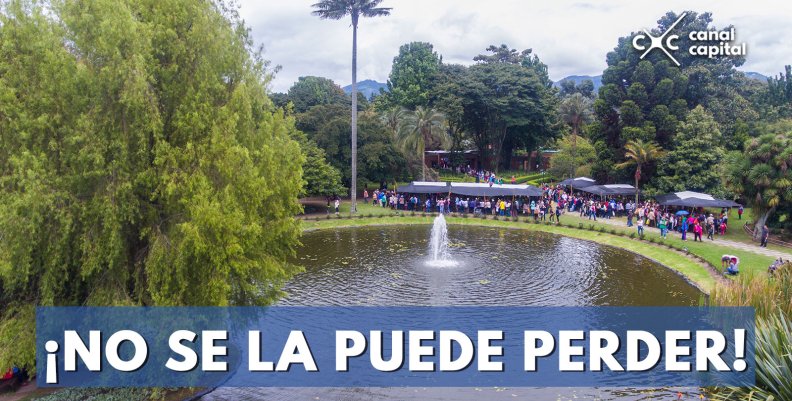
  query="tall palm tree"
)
[
  {"x": 575, "y": 110},
  {"x": 639, "y": 154},
  {"x": 336, "y": 10},
  {"x": 420, "y": 127}
]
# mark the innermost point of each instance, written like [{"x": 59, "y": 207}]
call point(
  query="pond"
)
[{"x": 385, "y": 266}]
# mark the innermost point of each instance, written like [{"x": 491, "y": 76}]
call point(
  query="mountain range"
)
[{"x": 370, "y": 87}]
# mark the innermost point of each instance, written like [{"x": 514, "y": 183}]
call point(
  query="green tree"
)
[
  {"x": 569, "y": 88},
  {"x": 648, "y": 97},
  {"x": 506, "y": 105},
  {"x": 336, "y": 10},
  {"x": 779, "y": 93},
  {"x": 320, "y": 177},
  {"x": 311, "y": 91},
  {"x": 141, "y": 162},
  {"x": 412, "y": 75},
  {"x": 420, "y": 128},
  {"x": 574, "y": 158},
  {"x": 392, "y": 119},
  {"x": 575, "y": 111},
  {"x": 328, "y": 126},
  {"x": 693, "y": 163},
  {"x": 762, "y": 176},
  {"x": 638, "y": 154}
]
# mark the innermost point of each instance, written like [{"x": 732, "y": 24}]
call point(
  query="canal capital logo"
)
[{"x": 709, "y": 43}]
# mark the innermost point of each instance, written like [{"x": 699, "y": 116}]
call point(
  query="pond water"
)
[{"x": 386, "y": 266}]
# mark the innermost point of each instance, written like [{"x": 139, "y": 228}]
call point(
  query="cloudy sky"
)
[{"x": 571, "y": 36}]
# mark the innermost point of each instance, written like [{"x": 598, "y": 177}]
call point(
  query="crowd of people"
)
[{"x": 558, "y": 200}]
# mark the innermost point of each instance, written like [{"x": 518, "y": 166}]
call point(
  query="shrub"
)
[
  {"x": 632, "y": 235},
  {"x": 602, "y": 229},
  {"x": 770, "y": 299},
  {"x": 495, "y": 217},
  {"x": 613, "y": 231},
  {"x": 591, "y": 227},
  {"x": 642, "y": 236}
]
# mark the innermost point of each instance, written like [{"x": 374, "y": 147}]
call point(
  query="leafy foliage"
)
[
  {"x": 762, "y": 174},
  {"x": 140, "y": 162},
  {"x": 328, "y": 127},
  {"x": 420, "y": 128},
  {"x": 648, "y": 99},
  {"x": 312, "y": 91},
  {"x": 412, "y": 75},
  {"x": 638, "y": 154},
  {"x": 574, "y": 157},
  {"x": 692, "y": 164}
]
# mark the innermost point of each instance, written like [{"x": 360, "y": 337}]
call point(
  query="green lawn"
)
[
  {"x": 750, "y": 263},
  {"x": 735, "y": 232}
]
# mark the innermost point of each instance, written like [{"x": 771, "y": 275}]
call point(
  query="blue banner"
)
[{"x": 394, "y": 346}]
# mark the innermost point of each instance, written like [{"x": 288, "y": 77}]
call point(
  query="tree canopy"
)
[
  {"x": 141, "y": 160},
  {"x": 413, "y": 75},
  {"x": 762, "y": 175},
  {"x": 692, "y": 164},
  {"x": 649, "y": 99},
  {"x": 313, "y": 91}
]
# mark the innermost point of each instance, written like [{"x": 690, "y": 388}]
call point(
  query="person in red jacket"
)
[{"x": 697, "y": 230}]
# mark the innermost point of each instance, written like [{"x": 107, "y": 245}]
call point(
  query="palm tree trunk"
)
[
  {"x": 423, "y": 165},
  {"x": 637, "y": 177},
  {"x": 574, "y": 152},
  {"x": 761, "y": 220},
  {"x": 353, "y": 206}
]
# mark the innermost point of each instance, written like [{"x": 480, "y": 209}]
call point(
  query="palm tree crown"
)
[
  {"x": 575, "y": 110},
  {"x": 639, "y": 153},
  {"x": 338, "y": 9},
  {"x": 420, "y": 127}
]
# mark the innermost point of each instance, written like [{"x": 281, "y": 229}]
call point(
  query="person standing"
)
[
  {"x": 711, "y": 231},
  {"x": 337, "y": 205},
  {"x": 640, "y": 224},
  {"x": 739, "y": 213},
  {"x": 663, "y": 226},
  {"x": 684, "y": 228},
  {"x": 697, "y": 230},
  {"x": 365, "y": 196},
  {"x": 765, "y": 236}
]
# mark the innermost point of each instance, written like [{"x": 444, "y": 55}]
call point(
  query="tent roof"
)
[
  {"x": 693, "y": 199},
  {"x": 610, "y": 189},
  {"x": 470, "y": 189},
  {"x": 579, "y": 182}
]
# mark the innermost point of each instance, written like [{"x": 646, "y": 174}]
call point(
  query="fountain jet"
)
[{"x": 438, "y": 244}]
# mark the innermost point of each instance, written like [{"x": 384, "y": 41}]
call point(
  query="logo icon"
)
[{"x": 663, "y": 42}]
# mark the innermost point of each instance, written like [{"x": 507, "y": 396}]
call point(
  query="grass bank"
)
[{"x": 690, "y": 266}]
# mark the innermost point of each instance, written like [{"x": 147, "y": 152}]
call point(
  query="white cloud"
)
[{"x": 571, "y": 36}]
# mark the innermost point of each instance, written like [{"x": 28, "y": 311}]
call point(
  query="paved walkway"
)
[{"x": 718, "y": 241}]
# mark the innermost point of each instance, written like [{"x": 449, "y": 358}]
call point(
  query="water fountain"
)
[
  {"x": 438, "y": 244},
  {"x": 394, "y": 265}
]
